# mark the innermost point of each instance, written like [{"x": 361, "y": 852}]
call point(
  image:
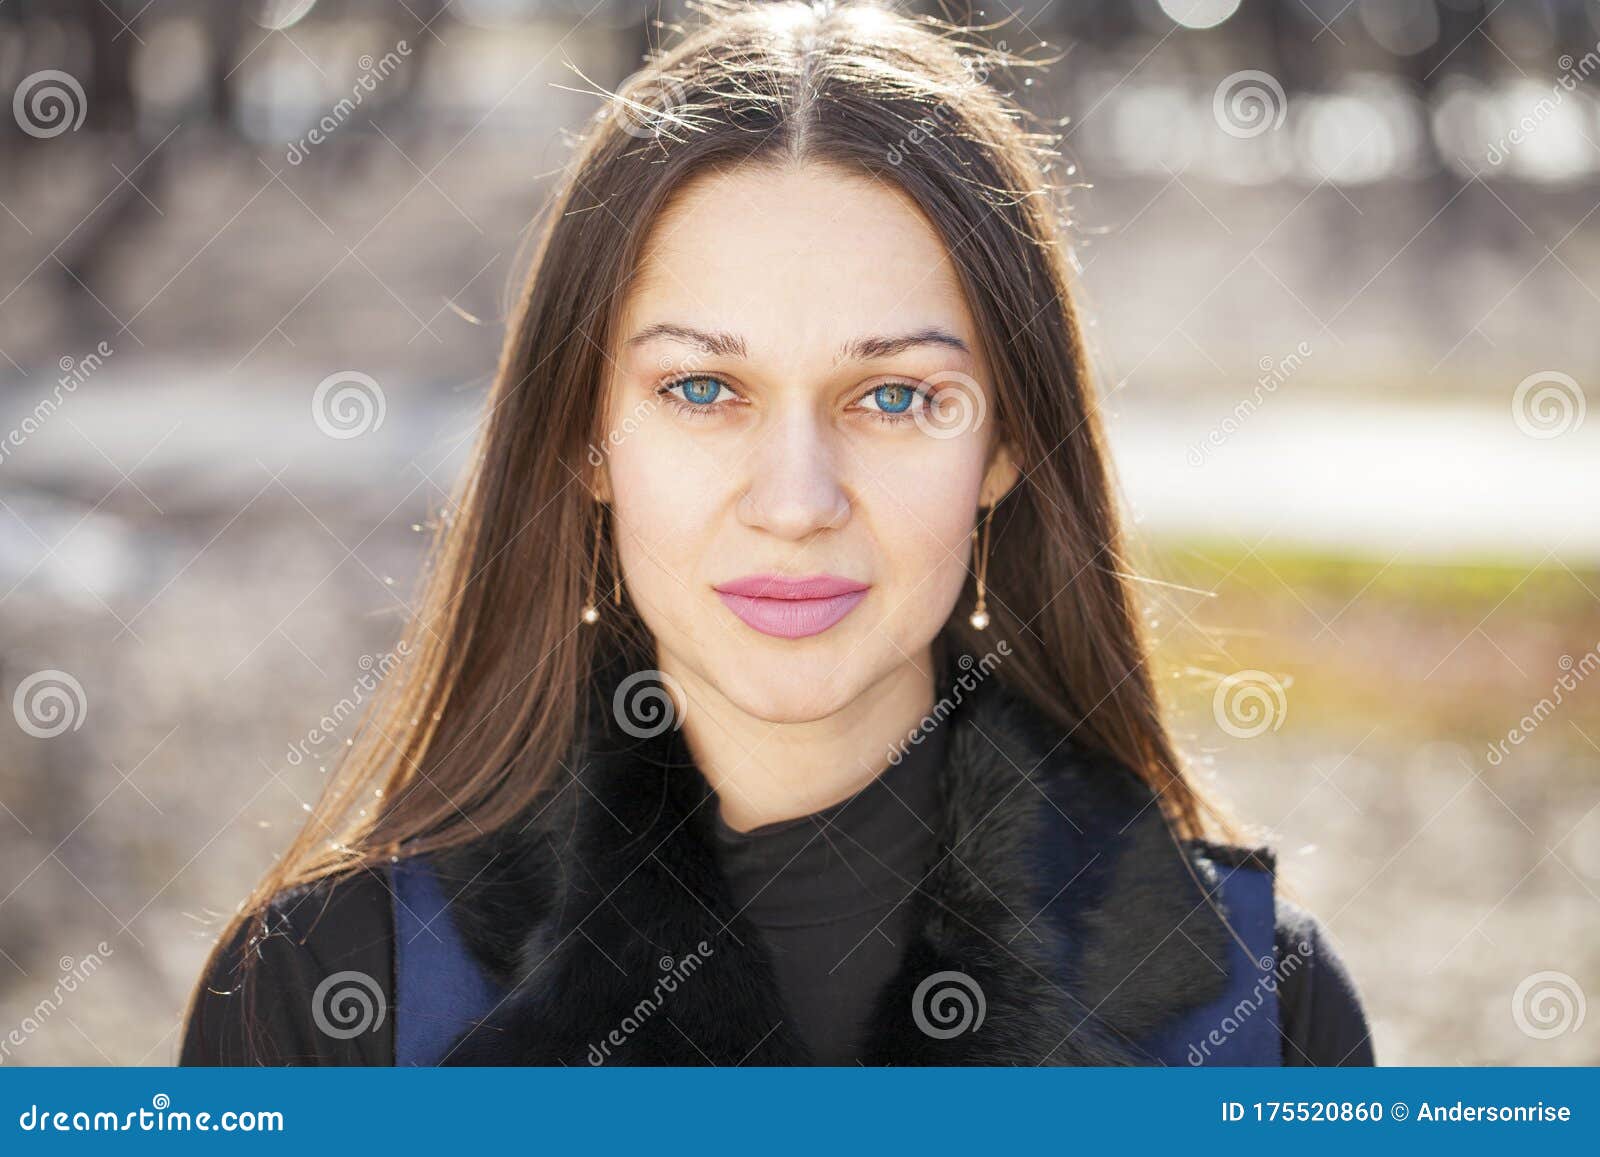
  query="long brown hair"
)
[{"x": 467, "y": 733}]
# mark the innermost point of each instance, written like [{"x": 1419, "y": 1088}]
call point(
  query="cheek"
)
[
  {"x": 924, "y": 531},
  {"x": 662, "y": 506}
]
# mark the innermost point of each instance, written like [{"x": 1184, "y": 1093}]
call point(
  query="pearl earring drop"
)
[
  {"x": 591, "y": 612},
  {"x": 980, "y": 617}
]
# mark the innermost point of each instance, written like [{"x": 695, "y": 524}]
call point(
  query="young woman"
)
[{"x": 779, "y": 696}]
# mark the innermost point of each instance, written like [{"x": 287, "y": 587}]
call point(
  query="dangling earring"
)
[
  {"x": 980, "y": 617},
  {"x": 591, "y": 612}
]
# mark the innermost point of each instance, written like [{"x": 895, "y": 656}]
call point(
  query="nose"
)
[{"x": 794, "y": 488}]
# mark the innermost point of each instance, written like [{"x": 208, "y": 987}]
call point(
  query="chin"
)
[{"x": 787, "y": 692}]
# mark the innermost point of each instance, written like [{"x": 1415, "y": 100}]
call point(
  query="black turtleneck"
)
[{"x": 830, "y": 894}]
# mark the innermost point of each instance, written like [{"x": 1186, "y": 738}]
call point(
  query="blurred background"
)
[{"x": 1342, "y": 264}]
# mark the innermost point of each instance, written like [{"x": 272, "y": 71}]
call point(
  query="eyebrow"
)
[{"x": 722, "y": 344}]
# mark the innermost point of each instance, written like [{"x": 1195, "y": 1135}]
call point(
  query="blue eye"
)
[
  {"x": 892, "y": 403},
  {"x": 698, "y": 397},
  {"x": 894, "y": 398},
  {"x": 700, "y": 391}
]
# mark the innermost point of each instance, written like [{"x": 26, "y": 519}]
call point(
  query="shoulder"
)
[
  {"x": 1319, "y": 1008},
  {"x": 1108, "y": 839},
  {"x": 308, "y": 980},
  {"x": 1323, "y": 1020}
]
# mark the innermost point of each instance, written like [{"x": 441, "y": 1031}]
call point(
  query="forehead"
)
[{"x": 795, "y": 258}]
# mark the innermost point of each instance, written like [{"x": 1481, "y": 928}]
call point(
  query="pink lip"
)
[{"x": 791, "y": 608}]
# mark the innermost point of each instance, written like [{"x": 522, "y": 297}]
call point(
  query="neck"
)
[{"x": 764, "y": 772}]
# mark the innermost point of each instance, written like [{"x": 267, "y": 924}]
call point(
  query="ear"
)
[
  {"x": 600, "y": 483},
  {"x": 597, "y": 479},
  {"x": 1001, "y": 476}
]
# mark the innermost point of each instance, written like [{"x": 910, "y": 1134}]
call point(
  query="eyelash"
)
[{"x": 697, "y": 411}]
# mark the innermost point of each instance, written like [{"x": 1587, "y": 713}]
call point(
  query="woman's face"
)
[{"x": 797, "y": 391}]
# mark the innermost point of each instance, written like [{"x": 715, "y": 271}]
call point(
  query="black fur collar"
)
[{"x": 1060, "y": 896}]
